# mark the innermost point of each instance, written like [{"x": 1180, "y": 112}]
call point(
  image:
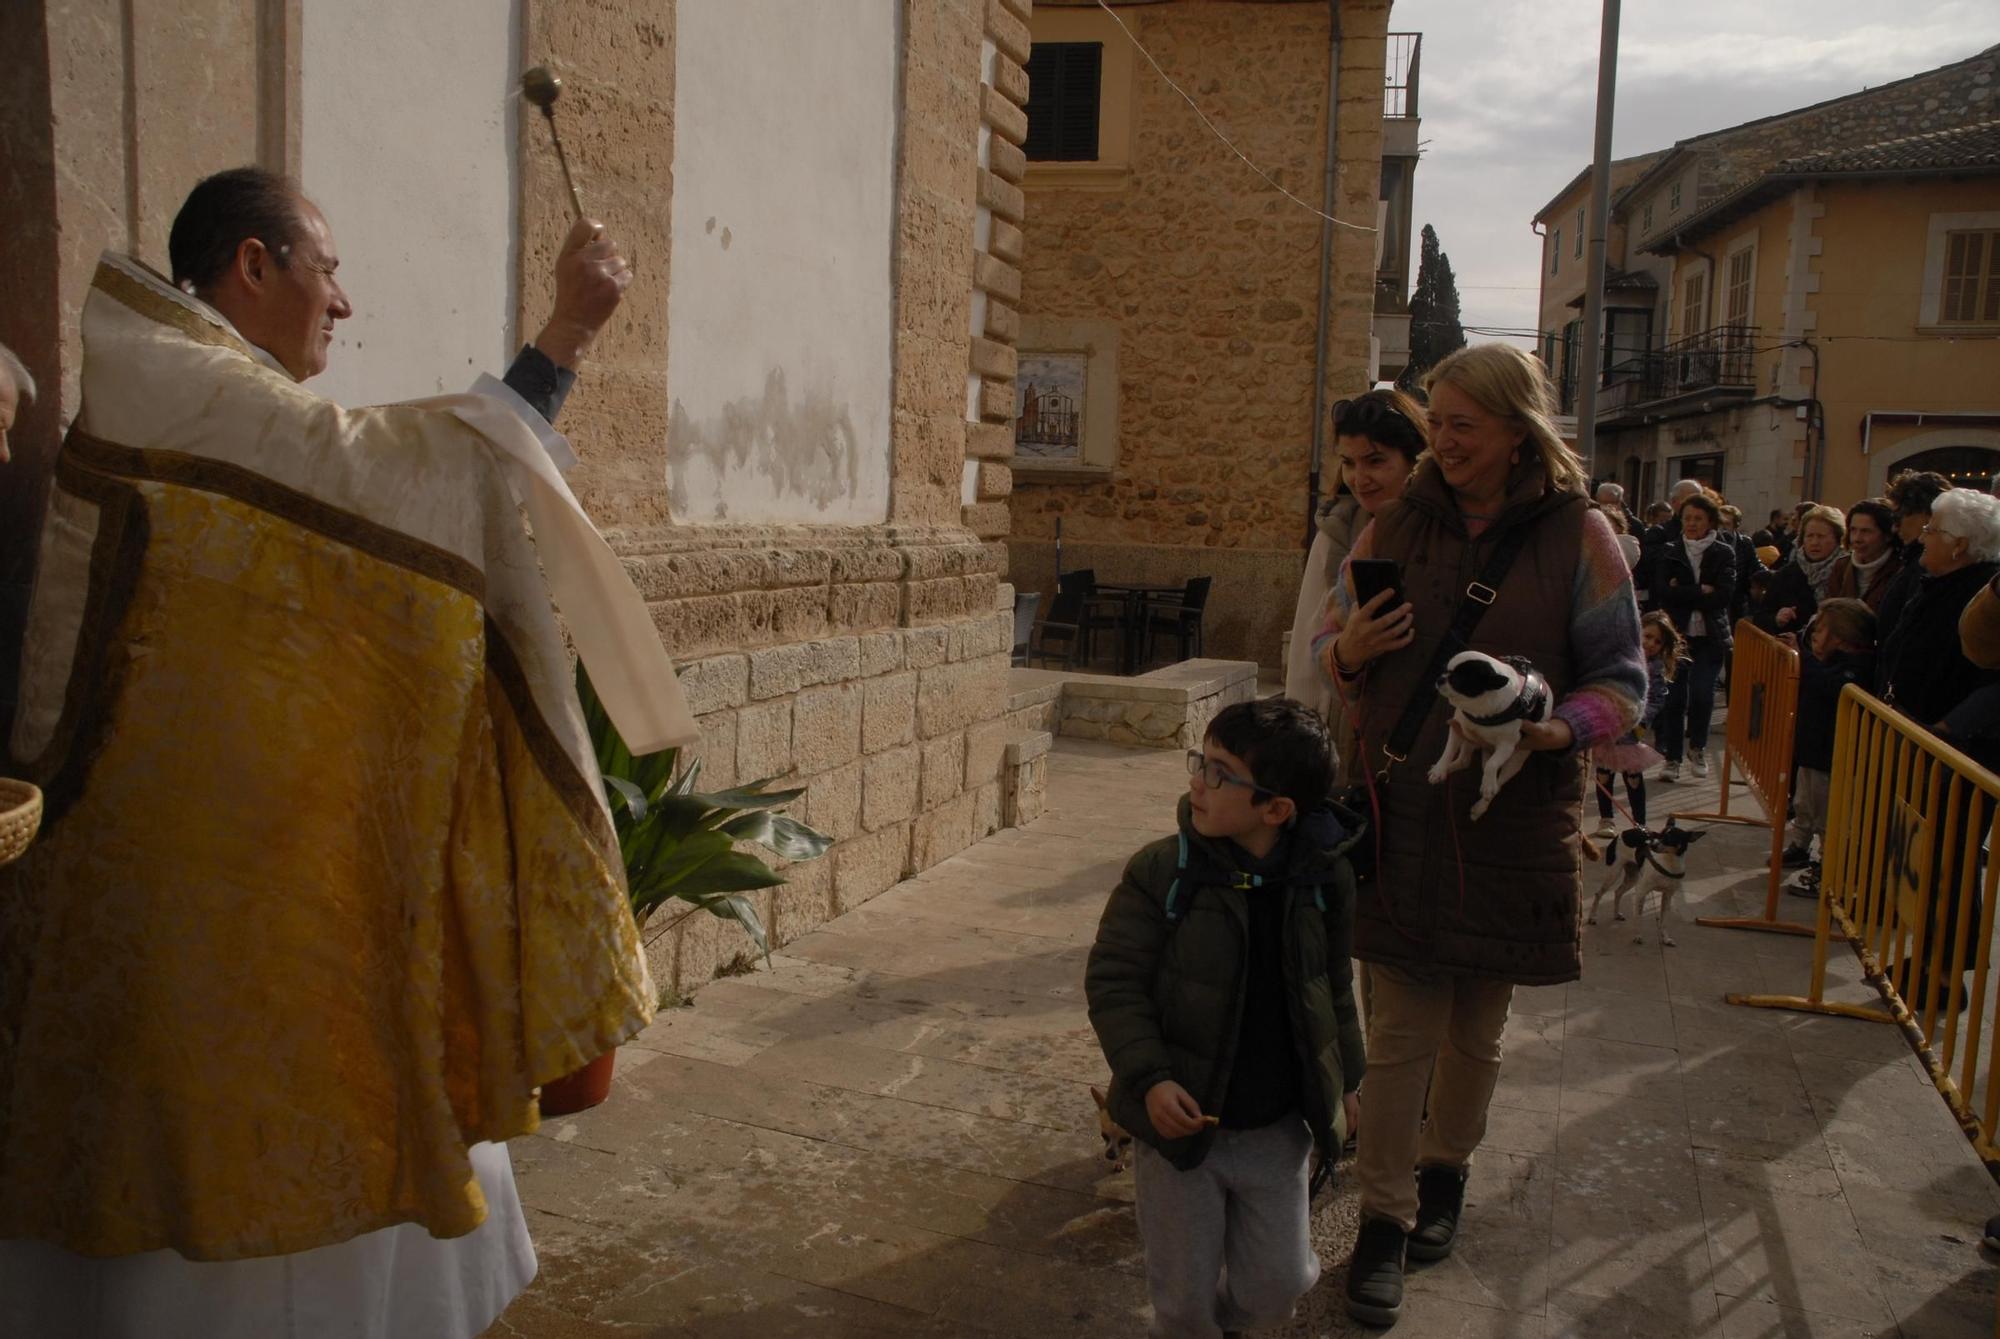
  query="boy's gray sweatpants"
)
[{"x": 1227, "y": 1246}]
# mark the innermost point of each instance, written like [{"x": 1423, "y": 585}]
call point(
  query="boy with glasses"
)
[{"x": 1220, "y": 989}]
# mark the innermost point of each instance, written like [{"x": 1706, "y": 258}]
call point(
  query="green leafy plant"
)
[{"x": 679, "y": 843}]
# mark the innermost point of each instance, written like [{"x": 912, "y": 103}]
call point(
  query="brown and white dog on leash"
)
[
  {"x": 1490, "y": 698},
  {"x": 1653, "y": 862}
]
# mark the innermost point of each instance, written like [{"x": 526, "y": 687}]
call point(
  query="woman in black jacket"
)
[
  {"x": 1923, "y": 666},
  {"x": 1694, "y": 579}
]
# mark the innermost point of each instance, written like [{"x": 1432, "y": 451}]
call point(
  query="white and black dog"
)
[
  {"x": 1653, "y": 862},
  {"x": 1490, "y": 698}
]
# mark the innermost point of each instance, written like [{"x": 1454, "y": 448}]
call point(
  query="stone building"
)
[
  {"x": 1776, "y": 297},
  {"x": 1180, "y": 298},
  {"x": 791, "y": 431}
]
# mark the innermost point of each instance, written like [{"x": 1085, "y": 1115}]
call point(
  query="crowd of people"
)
[{"x": 1885, "y": 594}]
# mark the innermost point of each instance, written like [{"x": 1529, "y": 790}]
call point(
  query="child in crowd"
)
[
  {"x": 1220, "y": 989},
  {"x": 1840, "y": 650},
  {"x": 1631, "y": 756}
]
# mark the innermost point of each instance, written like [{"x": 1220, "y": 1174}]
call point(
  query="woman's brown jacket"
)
[{"x": 1500, "y": 897}]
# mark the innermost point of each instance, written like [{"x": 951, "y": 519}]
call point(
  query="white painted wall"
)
[
  {"x": 784, "y": 212},
  {"x": 408, "y": 146}
]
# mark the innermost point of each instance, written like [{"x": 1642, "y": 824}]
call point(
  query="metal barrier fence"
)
[
  {"x": 1763, "y": 712},
  {"x": 1907, "y": 880}
]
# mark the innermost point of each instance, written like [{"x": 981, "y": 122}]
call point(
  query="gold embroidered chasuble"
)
[{"x": 327, "y": 885}]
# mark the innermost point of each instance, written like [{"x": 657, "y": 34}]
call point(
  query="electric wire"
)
[{"x": 1216, "y": 131}]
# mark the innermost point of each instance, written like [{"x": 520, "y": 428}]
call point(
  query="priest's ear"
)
[{"x": 254, "y": 264}]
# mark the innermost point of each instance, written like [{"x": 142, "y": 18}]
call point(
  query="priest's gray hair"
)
[
  {"x": 1972, "y": 516},
  {"x": 17, "y": 372},
  {"x": 1686, "y": 488},
  {"x": 1617, "y": 491}
]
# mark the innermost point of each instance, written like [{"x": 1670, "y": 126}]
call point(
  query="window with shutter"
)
[
  {"x": 1064, "y": 82},
  {"x": 1971, "y": 277},
  {"x": 1694, "y": 304},
  {"x": 1741, "y": 265}
]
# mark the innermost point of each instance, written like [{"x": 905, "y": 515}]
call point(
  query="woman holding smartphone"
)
[
  {"x": 1460, "y": 912},
  {"x": 1377, "y": 438}
]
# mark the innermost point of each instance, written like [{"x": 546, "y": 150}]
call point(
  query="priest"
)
[{"x": 326, "y": 885}]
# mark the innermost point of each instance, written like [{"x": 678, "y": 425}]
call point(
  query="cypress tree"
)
[{"x": 1434, "y": 327}]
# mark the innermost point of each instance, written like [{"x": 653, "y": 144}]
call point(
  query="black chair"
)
[
  {"x": 1181, "y": 620},
  {"x": 1063, "y": 625},
  {"x": 1026, "y": 605},
  {"x": 1100, "y": 615}
]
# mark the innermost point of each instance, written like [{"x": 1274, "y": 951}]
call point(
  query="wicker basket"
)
[{"x": 20, "y": 817}]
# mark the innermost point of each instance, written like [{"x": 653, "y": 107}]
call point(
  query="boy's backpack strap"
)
[{"x": 1174, "y": 910}]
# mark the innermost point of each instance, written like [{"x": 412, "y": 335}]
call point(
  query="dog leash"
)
[{"x": 1615, "y": 801}]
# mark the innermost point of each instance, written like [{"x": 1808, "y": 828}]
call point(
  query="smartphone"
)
[{"x": 1372, "y": 576}]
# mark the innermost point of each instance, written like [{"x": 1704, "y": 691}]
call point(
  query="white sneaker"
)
[
  {"x": 1606, "y": 830},
  {"x": 1671, "y": 771},
  {"x": 1698, "y": 759}
]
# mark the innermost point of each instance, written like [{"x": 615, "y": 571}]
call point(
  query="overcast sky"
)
[{"x": 1508, "y": 94}]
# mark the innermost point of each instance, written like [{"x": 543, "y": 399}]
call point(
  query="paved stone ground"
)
[{"x": 889, "y": 1133}]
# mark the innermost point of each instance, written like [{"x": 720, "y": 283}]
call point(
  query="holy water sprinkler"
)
[{"x": 542, "y": 86}]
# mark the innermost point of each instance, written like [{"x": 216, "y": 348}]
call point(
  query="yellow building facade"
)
[
  {"x": 1775, "y": 310},
  {"x": 1844, "y": 310}
]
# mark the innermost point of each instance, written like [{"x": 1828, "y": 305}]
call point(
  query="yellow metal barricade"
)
[
  {"x": 1908, "y": 881},
  {"x": 1763, "y": 712}
]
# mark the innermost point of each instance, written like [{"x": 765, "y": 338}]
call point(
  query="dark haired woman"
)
[
  {"x": 1693, "y": 579},
  {"x": 1377, "y": 438},
  {"x": 1873, "y": 557}
]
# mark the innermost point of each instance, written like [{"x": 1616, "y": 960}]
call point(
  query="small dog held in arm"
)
[
  {"x": 1653, "y": 862},
  {"x": 1490, "y": 698}
]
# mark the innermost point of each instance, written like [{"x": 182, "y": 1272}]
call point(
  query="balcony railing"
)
[
  {"x": 1720, "y": 358},
  {"x": 1399, "y": 92}
]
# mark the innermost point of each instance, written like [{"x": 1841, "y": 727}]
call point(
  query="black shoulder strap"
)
[{"x": 1472, "y": 606}]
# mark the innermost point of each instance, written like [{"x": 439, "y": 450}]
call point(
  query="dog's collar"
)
[
  {"x": 1527, "y": 705},
  {"x": 1662, "y": 870}
]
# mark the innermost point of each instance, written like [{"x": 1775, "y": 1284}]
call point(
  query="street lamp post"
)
[{"x": 1592, "y": 342}]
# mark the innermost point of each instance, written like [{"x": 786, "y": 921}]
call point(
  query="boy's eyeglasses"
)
[{"x": 1214, "y": 775}]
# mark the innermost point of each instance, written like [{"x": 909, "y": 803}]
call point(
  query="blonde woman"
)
[
  {"x": 1797, "y": 586},
  {"x": 1461, "y": 912}
]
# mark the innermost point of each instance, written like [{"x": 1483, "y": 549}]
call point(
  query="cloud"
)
[{"x": 1509, "y": 93}]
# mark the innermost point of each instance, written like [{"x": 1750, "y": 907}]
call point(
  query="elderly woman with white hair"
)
[
  {"x": 17, "y": 390},
  {"x": 1923, "y": 667}
]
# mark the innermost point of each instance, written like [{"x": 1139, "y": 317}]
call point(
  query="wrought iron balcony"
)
[
  {"x": 1399, "y": 91},
  {"x": 1722, "y": 358}
]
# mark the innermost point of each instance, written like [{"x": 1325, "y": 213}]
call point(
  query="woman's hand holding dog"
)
[
  {"x": 1375, "y": 630},
  {"x": 1173, "y": 1110},
  {"x": 1551, "y": 736}
]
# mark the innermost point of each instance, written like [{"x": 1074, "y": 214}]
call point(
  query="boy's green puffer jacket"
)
[{"x": 1166, "y": 977}]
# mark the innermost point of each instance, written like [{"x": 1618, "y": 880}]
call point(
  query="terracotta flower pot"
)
[{"x": 581, "y": 1090}]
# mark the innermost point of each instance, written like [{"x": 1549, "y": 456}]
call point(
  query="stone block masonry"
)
[
  {"x": 1167, "y": 709},
  {"x": 899, "y": 735},
  {"x": 1211, "y": 280}
]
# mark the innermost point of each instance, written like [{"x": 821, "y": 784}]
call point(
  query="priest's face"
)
[{"x": 301, "y": 300}]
